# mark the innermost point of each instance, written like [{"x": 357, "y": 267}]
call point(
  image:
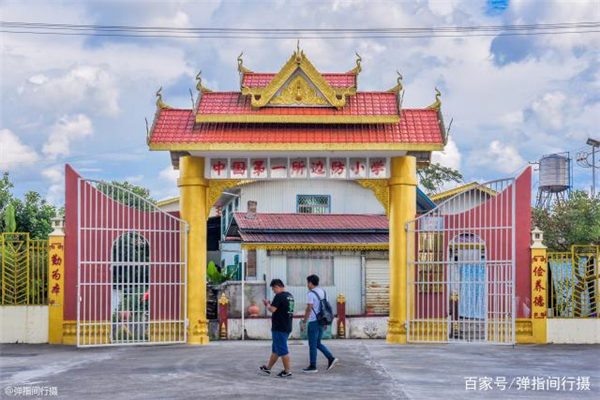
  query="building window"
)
[
  {"x": 251, "y": 264},
  {"x": 298, "y": 268},
  {"x": 313, "y": 204}
]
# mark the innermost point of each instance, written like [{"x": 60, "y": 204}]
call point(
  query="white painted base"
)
[
  {"x": 573, "y": 330},
  {"x": 356, "y": 328},
  {"x": 23, "y": 324}
]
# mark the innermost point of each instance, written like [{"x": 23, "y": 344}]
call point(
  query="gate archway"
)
[
  {"x": 131, "y": 269},
  {"x": 461, "y": 268}
]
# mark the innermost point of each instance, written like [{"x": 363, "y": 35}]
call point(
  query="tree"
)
[
  {"x": 123, "y": 196},
  {"x": 575, "y": 221},
  {"x": 32, "y": 214},
  {"x": 433, "y": 177}
]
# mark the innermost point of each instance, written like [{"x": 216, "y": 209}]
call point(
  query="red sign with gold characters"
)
[
  {"x": 538, "y": 286},
  {"x": 56, "y": 276}
]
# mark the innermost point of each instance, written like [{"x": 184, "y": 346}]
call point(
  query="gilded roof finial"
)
[
  {"x": 159, "y": 101},
  {"x": 241, "y": 68},
  {"x": 358, "y": 68},
  {"x": 298, "y": 53},
  {"x": 199, "y": 86},
  {"x": 437, "y": 104},
  {"x": 398, "y": 88}
]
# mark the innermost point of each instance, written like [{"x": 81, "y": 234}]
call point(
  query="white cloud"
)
[
  {"x": 550, "y": 110},
  {"x": 66, "y": 130},
  {"x": 55, "y": 174},
  {"x": 169, "y": 174},
  {"x": 13, "y": 153},
  {"x": 450, "y": 157},
  {"x": 92, "y": 86},
  {"x": 497, "y": 157}
]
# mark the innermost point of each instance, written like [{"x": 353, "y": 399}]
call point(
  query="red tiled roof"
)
[
  {"x": 419, "y": 126},
  {"x": 362, "y": 103},
  {"x": 353, "y": 238},
  {"x": 258, "y": 79},
  {"x": 311, "y": 222}
]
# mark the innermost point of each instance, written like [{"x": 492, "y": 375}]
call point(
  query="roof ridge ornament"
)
[
  {"x": 356, "y": 70},
  {"x": 159, "y": 101},
  {"x": 437, "y": 104},
  {"x": 298, "y": 53},
  {"x": 241, "y": 68},
  {"x": 199, "y": 86},
  {"x": 398, "y": 88}
]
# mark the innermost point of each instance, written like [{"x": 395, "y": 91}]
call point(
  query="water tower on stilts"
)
[{"x": 555, "y": 179}]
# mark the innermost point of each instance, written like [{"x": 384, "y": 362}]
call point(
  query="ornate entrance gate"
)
[
  {"x": 461, "y": 268},
  {"x": 131, "y": 271}
]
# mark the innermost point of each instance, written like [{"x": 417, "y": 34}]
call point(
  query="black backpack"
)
[{"x": 325, "y": 314}]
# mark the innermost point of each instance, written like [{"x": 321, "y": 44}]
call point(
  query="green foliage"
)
[
  {"x": 216, "y": 277},
  {"x": 8, "y": 218},
  {"x": 31, "y": 214},
  {"x": 435, "y": 175},
  {"x": 576, "y": 221},
  {"x": 123, "y": 197}
]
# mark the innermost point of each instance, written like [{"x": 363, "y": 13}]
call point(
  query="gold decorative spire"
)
[
  {"x": 199, "y": 86},
  {"x": 398, "y": 88},
  {"x": 437, "y": 104},
  {"x": 240, "y": 61},
  {"x": 358, "y": 68},
  {"x": 298, "y": 53},
  {"x": 159, "y": 101},
  {"x": 223, "y": 300}
]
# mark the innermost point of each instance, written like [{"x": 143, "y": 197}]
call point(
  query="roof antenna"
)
[{"x": 192, "y": 97}]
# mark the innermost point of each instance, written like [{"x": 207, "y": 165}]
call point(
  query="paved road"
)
[{"x": 369, "y": 369}]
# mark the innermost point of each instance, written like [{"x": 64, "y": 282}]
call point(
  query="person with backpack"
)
[
  {"x": 282, "y": 308},
  {"x": 318, "y": 314}
]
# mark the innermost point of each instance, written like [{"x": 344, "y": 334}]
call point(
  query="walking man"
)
[
  {"x": 282, "y": 309},
  {"x": 315, "y": 329}
]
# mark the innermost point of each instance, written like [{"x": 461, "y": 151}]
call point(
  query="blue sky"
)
[{"x": 83, "y": 100}]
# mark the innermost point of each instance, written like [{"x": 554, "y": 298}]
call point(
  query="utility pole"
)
[{"x": 595, "y": 144}]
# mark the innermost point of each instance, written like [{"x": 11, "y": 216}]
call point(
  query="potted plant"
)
[{"x": 253, "y": 308}]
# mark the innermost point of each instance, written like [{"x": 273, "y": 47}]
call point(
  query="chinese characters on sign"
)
[
  {"x": 538, "y": 287},
  {"x": 298, "y": 168},
  {"x": 56, "y": 277}
]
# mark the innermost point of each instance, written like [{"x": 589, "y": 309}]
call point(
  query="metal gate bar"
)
[
  {"x": 461, "y": 268},
  {"x": 132, "y": 269}
]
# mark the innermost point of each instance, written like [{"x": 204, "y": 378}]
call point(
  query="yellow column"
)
[
  {"x": 403, "y": 199},
  {"x": 56, "y": 281},
  {"x": 193, "y": 189},
  {"x": 539, "y": 283}
]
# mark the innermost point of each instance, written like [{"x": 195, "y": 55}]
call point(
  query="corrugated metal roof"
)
[{"x": 311, "y": 222}]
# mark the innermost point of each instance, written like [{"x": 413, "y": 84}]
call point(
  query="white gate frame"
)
[
  {"x": 484, "y": 214},
  {"x": 157, "y": 228}
]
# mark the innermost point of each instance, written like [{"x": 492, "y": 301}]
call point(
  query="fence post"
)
[
  {"x": 539, "y": 283},
  {"x": 341, "y": 315},
  {"x": 223, "y": 316},
  {"x": 56, "y": 281}
]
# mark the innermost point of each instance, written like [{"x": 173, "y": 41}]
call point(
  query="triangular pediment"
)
[{"x": 298, "y": 83}]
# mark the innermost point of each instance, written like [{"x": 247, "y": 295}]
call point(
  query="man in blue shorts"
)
[{"x": 282, "y": 308}]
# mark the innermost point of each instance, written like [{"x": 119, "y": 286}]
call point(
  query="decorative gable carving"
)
[{"x": 298, "y": 83}]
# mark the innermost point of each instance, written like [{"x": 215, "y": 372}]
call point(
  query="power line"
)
[{"x": 39, "y": 28}]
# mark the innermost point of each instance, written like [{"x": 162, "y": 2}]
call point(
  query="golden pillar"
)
[
  {"x": 539, "y": 286},
  {"x": 56, "y": 281},
  {"x": 403, "y": 208},
  {"x": 193, "y": 189}
]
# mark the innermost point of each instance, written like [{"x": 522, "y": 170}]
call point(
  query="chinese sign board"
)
[
  {"x": 298, "y": 168},
  {"x": 538, "y": 286}
]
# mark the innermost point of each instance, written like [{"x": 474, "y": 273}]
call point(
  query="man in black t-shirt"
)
[{"x": 282, "y": 308}]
